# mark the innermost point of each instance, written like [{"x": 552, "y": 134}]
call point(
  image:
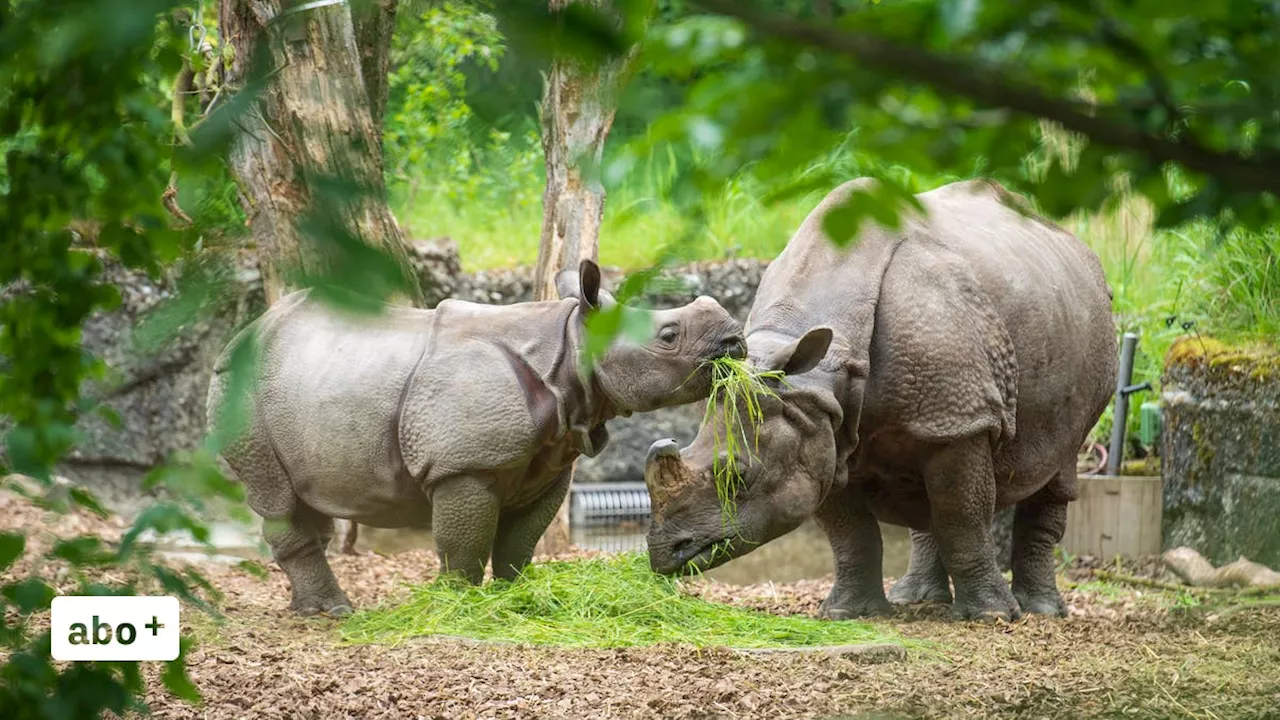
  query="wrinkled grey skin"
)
[
  {"x": 467, "y": 417},
  {"x": 936, "y": 373}
]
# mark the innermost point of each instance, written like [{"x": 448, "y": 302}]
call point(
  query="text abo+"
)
[{"x": 91, "y": 627}]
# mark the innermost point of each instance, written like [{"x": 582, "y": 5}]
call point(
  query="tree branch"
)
[{"x": 959, "y": 76}]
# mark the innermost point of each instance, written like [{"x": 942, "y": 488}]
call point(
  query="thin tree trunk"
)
[
  {"x": 312, "y": 120},
  {"x": 577, "y": 110}
]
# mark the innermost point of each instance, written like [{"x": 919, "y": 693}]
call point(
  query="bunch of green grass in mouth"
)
[
  {"x": 608, "y": 602},
  {"x": 736, "y": 390}
]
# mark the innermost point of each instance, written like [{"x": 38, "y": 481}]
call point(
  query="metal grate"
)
[
  {"x": 609, "y": 516},
  {"x": 599, "y": 504}
]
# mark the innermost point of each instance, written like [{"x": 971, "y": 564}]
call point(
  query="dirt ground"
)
[{"x": 1125, "y": 651}]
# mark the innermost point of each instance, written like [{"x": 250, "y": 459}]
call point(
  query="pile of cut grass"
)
[
  {"x": 734, "y": 414},
  {"x": 594, "y": 603}
]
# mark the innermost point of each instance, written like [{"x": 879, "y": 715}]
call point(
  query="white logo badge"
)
[{"x": 96, "y": 627}]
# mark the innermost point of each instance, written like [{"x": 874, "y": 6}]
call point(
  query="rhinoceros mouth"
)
[{"x": 692, "y": 557}]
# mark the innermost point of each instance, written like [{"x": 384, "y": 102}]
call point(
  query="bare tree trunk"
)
[
  {"x": 375, "y": 21},
  {"x": 577, "y": 110},
  {"x": 312, "y": 120}
]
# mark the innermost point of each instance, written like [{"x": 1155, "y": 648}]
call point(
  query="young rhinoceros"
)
[
  {"x": 467, "y": 417},
  {"x": 935, "y": 373}
]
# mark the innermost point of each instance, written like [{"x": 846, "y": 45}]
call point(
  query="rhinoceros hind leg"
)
[
  {"x": 297, "y": 534},
  {"x": 1038, "y": 525},
  {"x": 349, "y": 531},
  {"x": 464, "y": 519},
  {"x": 298, "y": 546},
  {"x": 520, "y": 530},
  {"x": 858, "y": 551},
  {"x": 926, "y": 578},
  {"x": 962, "y": 493}
]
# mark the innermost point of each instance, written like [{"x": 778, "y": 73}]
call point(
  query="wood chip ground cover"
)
[{"x": 1123, "y": 652}]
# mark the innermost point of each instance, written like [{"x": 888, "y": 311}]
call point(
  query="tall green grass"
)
[
  {"x": 736, "y": 390},
  {"x": 1165, "y": 283},
  {"x": 499, "y": 224},
  {"x": 1171, "y": 283}
]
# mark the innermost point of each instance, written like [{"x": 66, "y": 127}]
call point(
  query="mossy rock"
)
[
  {"x": 1256, "y": 361},
  {"x": 1221, "y": 449}
]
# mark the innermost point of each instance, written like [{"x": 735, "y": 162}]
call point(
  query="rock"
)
[
  {"x": 1246, "y": 573},
  {"x": 1189, "y": 565},
  {"x": 868, "y": 654},
  {"x": 1221, "y": 450},
  {"x": 160, "y": 359}
]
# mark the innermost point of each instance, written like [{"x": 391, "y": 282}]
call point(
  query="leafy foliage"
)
[
  {"x": 430, "y": 124},
  {"x": 743, "y": 114},
  {"x": 960, "y": 88},
  {"x": 87, "y": 158}
]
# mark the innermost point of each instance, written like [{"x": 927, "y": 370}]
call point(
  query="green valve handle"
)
[{"x": 1149, "y": 424}]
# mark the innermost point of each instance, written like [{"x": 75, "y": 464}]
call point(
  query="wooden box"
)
[{"x": 1115, "y": 515}]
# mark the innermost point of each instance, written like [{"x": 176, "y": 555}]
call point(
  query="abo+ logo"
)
[{"x": 114, "y": 628}]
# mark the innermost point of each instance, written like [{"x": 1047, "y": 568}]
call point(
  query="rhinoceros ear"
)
[
  {"x": 584, "y": 284},
  {"x": 804, "y": 354},
  {"x": 589, "y": 281}
]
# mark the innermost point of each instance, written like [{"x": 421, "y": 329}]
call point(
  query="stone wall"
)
[
  {"x": 159, "y": 394},
  {"x": 1221, "y": 454},
  {"x": 156, "y": 384}
]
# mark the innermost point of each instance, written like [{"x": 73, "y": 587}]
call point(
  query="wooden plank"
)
[
  {"x": 1129, "y": 516},
  {"x": 1115, "y": 516}
]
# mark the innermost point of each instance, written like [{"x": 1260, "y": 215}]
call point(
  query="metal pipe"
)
[{"x": 1120, "y": 418}]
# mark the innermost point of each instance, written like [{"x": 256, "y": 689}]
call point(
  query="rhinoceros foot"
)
[
  {"x": 850, "y": 608},
  {"x": 340, "y": 607},
  {"x": 921, "y": 587},
  {"x": 987, "y": 606},
  {"x": 1043, "y": 601}
]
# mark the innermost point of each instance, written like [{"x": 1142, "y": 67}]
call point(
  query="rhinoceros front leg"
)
[
  {"x": 962, "y": 493},
  {"x": 859, "y": 557},
  {"x": 520, "y": 529},
  {"x": 1038, "y": 524},
  {"x": 464, "y": 519},
  {"x": 926, "y": 578}
]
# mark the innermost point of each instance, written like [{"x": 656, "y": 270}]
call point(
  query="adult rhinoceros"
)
[
  {"x": 467, "y": 417},
  {"x": 935, "y": 374}
]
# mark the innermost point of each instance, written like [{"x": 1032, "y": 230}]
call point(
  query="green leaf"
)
[
  {"x": 11, "y": 547},
  {"x": 30, "y": 595},
  {"x": 162, "y": 518},
  {"x": 600, "y": 329},
  {"x": 254, "y": 568},
  {"x": 83, "y": 550},
  {"x": 87, "y": 500},
  {"x": 175, "y": 677},
  {"x": 20, "y": 444},
  {"x": 233, "y": 416},
  {"x": 179, "y": 586},
  {"x": 842, "y": 222}
]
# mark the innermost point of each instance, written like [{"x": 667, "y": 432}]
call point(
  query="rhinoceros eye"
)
[{"x": 668, "y": 334}]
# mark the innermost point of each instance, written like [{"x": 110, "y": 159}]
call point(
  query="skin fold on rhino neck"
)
[{"x": 587, "y": 394}]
